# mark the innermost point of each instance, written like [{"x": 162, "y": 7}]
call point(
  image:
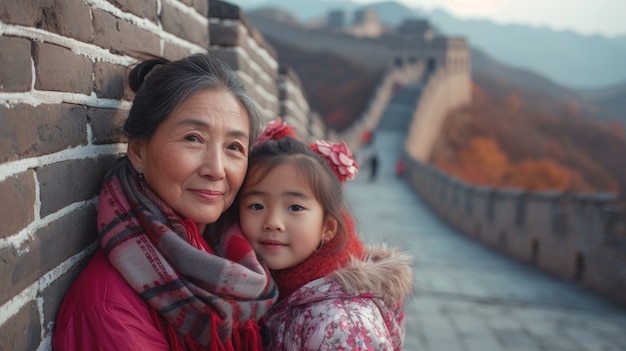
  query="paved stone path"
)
[{"x": 470, "y": 298}]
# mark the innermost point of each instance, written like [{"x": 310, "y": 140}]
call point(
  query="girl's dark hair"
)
[
  {"x": 161, "y": 86},
  {"x": 312, "y": 167}
]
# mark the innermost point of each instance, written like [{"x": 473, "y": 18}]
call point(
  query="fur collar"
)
[{"x": 386, "y": 272}]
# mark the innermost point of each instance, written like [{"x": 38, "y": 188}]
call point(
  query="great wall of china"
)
[{"x": 64, "y": 99}]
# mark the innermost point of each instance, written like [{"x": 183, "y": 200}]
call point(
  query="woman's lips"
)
[{"x": 207, "y": 194}]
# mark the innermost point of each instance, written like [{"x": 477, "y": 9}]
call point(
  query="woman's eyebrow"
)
[
  {"x": 193, "y": 122},
  {"x": 200, "y": 123}
]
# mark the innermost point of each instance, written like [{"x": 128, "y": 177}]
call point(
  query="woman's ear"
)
[
  {"x": 330, "y": 228},
  {"x": 135, "y": 153}
]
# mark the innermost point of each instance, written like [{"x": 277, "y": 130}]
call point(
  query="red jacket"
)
[{"x": 102, "y": 312}]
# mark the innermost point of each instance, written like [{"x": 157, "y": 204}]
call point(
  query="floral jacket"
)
[{"x": 359, "y": 307}]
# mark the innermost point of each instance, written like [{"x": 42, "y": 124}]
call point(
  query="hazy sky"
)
[{"x": 607, "y": 17}]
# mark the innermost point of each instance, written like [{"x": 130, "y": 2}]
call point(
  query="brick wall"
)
[
  {"x": 63, "y": 99},
  {"x": 575, "y": 237}
]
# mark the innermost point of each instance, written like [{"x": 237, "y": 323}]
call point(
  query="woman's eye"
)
[
  {"x": 236, "y": 147},
  {"x": 192, "y": 138},
  {"x": 295, "y": 208}
]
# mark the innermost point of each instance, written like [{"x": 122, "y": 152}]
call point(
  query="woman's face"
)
[{"x": 197, "y": 158}]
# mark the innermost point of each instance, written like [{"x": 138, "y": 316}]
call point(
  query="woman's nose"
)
[{"x": 213, "y": 164}]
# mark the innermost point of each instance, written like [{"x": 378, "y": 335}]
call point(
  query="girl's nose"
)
[{"x": 273, "y": 222}]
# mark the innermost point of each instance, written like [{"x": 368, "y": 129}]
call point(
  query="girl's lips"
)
[{"x": 273, "y": 244}]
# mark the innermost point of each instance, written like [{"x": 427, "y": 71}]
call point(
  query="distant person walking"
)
[
  {"x": 369, "y": 156},
  {"x": 399, "y": 168},
  {"x": 373, "y": 166}
]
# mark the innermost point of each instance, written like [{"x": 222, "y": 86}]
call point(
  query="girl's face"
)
[
  {"x": 281, "y": 218},
  {"x": 197, "y": 159}
]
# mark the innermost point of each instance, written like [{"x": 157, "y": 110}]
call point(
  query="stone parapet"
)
[{"x": 573, "y": 236}]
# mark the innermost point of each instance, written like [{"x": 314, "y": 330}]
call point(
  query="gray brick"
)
[
  {"x": 53, "y": 294},
  {"x": 66, "y": 237},
  {"x": 15, "y": 64},
  {"x": 107, "y": 125},
  {"x": 67, "y": 182},
  {"x": 225, "y": 35},
  {"x": 182, "y": 26},
  {"x": 10, "y": 260},
  {"x": 122, "y": 37},
  {"x": 174, "y": 51},
  {"x": 110, "y": 80},
  {"x": 59, "y": 69},
  {"x": 22, "y": 331},
  {"x": 18, "y": 200},
  {"x": 27, "y": 131},
  {"x": 49, "y": 247},
  {"x": 146, "y": 9},
  {"x": 26, "y": 13},
  {"x": 69, "y": 18},
  {"x": 202, "y": 6}
]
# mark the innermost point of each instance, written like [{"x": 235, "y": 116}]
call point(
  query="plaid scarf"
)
[{"x": 212, "y": 297}]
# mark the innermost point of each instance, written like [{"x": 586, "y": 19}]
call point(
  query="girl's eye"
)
[
  {"x": 256, "y": 207},
  {"x": 296, "y": 208}
]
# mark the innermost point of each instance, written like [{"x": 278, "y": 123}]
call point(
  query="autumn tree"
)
[{"x": 539, "y": 175}]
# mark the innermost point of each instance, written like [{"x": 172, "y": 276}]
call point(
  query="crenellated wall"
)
[
  {"x": 573, "y": 236},
  {"x": 295, "y": 109},
  {"x": 447, "y": 89},
  {"x": 235, "y": 41},
  {"x": 63, "y": 99},
  {"x": 447, "y": 86}
]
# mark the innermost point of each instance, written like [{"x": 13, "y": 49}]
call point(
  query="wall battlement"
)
[{"x": 577, "y": 237}]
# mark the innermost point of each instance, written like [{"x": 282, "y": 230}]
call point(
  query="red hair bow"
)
[
  {"x": 276, "y": 129},
  {"x": 339, "y": 158}
]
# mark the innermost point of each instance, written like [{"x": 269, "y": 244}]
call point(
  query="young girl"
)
[{"x": 335, "y": 293}]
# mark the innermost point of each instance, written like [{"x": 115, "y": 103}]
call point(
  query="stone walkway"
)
[{"x": 470, "y": 298}]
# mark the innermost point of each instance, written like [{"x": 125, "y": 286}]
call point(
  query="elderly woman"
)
[{"x": 155, "y": 283}]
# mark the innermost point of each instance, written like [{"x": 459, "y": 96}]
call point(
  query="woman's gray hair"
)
[{"x": 161, "y": 86}]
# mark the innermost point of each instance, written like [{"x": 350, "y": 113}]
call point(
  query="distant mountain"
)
[
  {"x": 484, "y": 64},
  {"x": 303, "y": 10},
  {"x": 573, "y": 60},
  {"x": 612, "y": 99},
  {"x": 607, "y": 104},
  {"x": 569, "y": 59}
]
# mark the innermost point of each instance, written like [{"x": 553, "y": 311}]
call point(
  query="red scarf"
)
[
  {"x": 330, "y": 257},
  {"x": 204, "y": 298}
]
